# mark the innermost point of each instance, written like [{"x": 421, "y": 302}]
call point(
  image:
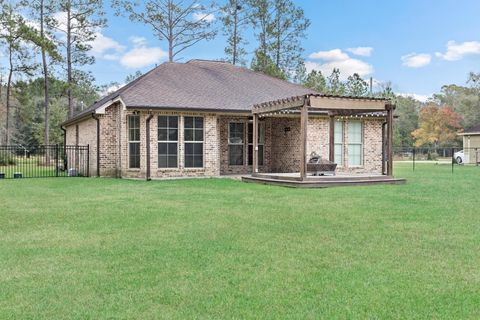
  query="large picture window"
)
[
  {"x": 355, "y": 143},
  {"x": 338, "y": 143},
  {"x": 261, "y": 143},
  {"x": 133, "y": 141},
  {"x": 193, "y": 136},
  {"x": 167, "y": 141},
  {"x": 235, "y": 143}
]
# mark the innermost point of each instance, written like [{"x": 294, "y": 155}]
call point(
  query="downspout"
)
[
  {"x": 94, "y": 116},
  {"x": 147, "y": 128},
  {"x": 64, "y": 136}
]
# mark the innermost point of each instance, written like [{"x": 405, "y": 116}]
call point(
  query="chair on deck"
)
[{"x": 320, "y": 167}]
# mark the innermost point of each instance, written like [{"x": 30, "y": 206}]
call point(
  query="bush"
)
[{"x": 7, "y": 159}]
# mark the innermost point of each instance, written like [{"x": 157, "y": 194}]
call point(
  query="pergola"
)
[{"x": 333, "y": 106}]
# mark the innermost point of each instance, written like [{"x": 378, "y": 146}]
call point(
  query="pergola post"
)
[
  {"x": 331, "y": 144},
  {"x": 390, "y": 109},
  {"x": 303, "y": 140},
  {"x": 255, "y": 145}
]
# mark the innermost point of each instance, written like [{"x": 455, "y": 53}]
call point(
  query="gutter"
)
[
  {"x": 147, "y": 128},
  {"x": 98, "y": 143}
]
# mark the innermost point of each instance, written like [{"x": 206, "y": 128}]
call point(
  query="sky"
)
[{"x": 417, "y": 45}]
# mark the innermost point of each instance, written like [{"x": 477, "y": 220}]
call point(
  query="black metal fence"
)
[
  {"x": 17, "y": 161},
  {"x": 448, "y": 155}
]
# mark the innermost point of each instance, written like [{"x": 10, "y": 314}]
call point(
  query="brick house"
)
[{"x": 200, "y": 118}]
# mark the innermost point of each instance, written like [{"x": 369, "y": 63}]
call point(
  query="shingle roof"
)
[
  {"x": 204, "y": 85},
  {"x": 474, "y": 129}
]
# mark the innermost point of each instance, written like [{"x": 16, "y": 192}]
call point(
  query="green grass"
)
[{"x": 217, "y": 248}]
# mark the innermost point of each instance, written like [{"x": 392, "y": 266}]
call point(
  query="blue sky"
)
[{"x": 417, "y": 45}]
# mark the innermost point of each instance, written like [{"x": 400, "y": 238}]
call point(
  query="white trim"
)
[
  {"x": 103, "y": 107},
  {"x": 469, "y": 134}
]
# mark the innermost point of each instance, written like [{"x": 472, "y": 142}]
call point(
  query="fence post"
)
[
  {"x": 88, "y": 160},
  {"x": 56, "y": 160},
  {"x": 453, "y": 158},
  {"x": 476, "y": 156},
  {"x": 413, "y": 158}
]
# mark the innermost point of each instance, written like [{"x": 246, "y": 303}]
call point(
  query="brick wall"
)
[{"x": 281, "y": 150}]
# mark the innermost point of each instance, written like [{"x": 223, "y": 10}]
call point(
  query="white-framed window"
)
[
  {"x": 167, "y": 141},
  {"x": 133, "y": 141},
  {"x": 260, "y": 143},
  {"x": 236, "y": 131},
  {"x": 193, "y": 136},
  {"x": 338, "y": 143},
  {"x": 355, "y": 143}
]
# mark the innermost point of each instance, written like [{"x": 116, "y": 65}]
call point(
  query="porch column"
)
[
  {"x": 331, "y": 147},
  {"x": 303, "y": 140},
  {"x": 390, "y": 109},
  {"x": 255, "y": 145}
]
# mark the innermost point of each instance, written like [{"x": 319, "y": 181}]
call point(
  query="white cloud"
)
[
  {"x": 361, "y": 51},
  {"x": 105, "y": 47},
  {"x": 208, "y": 17},
  {"x": 337, "y": 59},
  {"x": 416, "y": 60},
  {"x": 330, "y": 55},
  {"x": 419, "y": 97},
  {"x": 141, "y": 55},
  {"x": 457, "y": 51},
  {"x": 138, "y": 41}
]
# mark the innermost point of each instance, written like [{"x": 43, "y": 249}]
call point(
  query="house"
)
[
  {"x": 471, "y": 144},
  {"x": 207, "y": 118}
]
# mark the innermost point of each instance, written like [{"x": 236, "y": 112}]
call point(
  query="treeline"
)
[{"x": 46, "y": 47}]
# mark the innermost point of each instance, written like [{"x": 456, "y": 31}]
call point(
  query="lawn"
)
[{"x": 217, "y": 248}]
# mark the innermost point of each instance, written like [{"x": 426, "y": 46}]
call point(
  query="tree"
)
[
  {"x": 438, "y": 126},
  {"x": 79, "y": 21},
  {"x": 181, "y": 23},
  {"x": 406, "y": 120},
  {"x": 287, "y": 28},
  {"x": 356, "y": 86},
  {"x": 41, "y": 11},
  {"x": 14, "y": 36},
  {"x": 133, "y": 76},
  {"x": 316, "y": 81},
  {"x": 236, "y": 16},
  {"x": 264, "y": 64},
  {"x": 261, "y": 20},
  {"x": 335, "y": 85},
  {"x": 464, "y": 100}
]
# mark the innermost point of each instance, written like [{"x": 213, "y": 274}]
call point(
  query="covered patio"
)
[{"x": 374, "y": 165}]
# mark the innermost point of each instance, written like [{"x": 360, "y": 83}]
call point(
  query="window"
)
[
  {"x": 167, "y": 141},
  {"x": 261, "y": 143},
  {"x": 338, "y": 143},
  {"x": 193, "y": 135},
  {"x": 235, "y": 143},
  {"x": 134, "y": 141},
  {"x": 355, "y": 143}
]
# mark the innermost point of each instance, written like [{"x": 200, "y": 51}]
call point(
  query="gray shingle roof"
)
[
  {"x": 202, "y": 85},
  {"x": 473, "y": 129}
]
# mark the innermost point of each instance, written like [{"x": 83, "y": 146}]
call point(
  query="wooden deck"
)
[{"x": 293, "y": 180}]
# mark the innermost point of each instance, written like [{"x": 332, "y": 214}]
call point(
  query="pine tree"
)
[
  {"x": 181, "y": 23},
  {"x": 236, "y": 16}
]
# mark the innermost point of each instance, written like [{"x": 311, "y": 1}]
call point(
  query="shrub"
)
[{"x": 7, "y": 159}]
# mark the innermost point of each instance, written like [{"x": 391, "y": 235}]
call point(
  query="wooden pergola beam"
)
[
  {"x": 346, "y": 103},
  {"x": 279, "y": 105}
]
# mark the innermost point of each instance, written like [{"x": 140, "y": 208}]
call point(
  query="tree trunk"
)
[
  {"x": 69, "y": 61},
  {"x": 9, "y": 84},
  {"x": 235, "y": 30},
  {"x": 45, "y": 84},
  {"x": 170, "y": 31}
]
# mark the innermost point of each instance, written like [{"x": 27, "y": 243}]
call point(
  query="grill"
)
[{"x": 320, "y": 167}]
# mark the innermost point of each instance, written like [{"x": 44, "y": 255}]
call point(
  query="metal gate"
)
[{"x": 17, "y": 161}]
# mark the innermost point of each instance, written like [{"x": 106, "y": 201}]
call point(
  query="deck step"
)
[{"x": 324, "y": 183}]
